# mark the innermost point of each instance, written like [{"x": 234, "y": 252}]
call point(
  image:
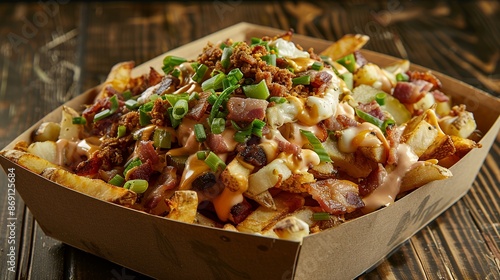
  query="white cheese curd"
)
[{"x": 288, "y": 49}]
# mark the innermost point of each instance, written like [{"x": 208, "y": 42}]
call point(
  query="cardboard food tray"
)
[{"x": 163, "y": 248}]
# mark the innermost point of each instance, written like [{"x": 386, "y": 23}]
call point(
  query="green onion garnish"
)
[
  {"x": 349, "y": 62},
  {"x": 211, "y": 99},
  {"x": 162, "y": 139},
  {"x": 200, "y": 73},
  {"x": 348, "y": 79},
  {"x": 173, "y": 98},
  {"x": 234, "y": 76},
  {"x": 226, "y": 57},
  {"x": 101, "y": 115},
  {"x": 131, "y": 104},
  {"x": 121, "y": 131},
  {"x": 321, "y": 216},
  {"x": 317, "y": 146},
  {"x": 173, "y": 121},
  {"x": 144, "y": 117},
  {"x": 375, "y": 121},
  {"x": 218, "y": 102},
  {"x": 380, "y": 98},
  {"x": 180, "y": 109},
  {"x": 214, "y": 162},
  {"x": 127, "y": 95},
  {"x": 135, "y": 162},
  {"x": 78, "y": 120},
  {"x": 402, "y": 77},
  {"x": 114, "y": 104},
  {"x": 277, "y": 99},
  {"x": 258, "y": 91},
  {"x": 169, "y": 62},
  {"x": 242, "y": 134},
  {"x": 176, "y": 73},
  {"x": 213, "y": 83},
  {"x": 117, "y": 180},
  {"x": 218, "y": 125},
  {"x": 199, "y": 132},
  {"x": 317, "y": 66},
  {"x": 137, "y": 185},
  {"x": 270, "y": 59},
  {"x": 302, "y": 80},
  {"x": 201, "y": 155}
]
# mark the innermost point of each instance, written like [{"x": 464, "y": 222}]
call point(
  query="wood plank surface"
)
[{"x": 50, "y": 53}]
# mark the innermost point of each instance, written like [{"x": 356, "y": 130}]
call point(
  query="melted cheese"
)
[
  {"x": 301, "y": 163},
  {"x": 186, "y": 138},
  {"x": 225, "y": 201},
  {"x": 363, "y": 135},
  {"x": 386, "y": 193},
  {"x": 72, "y": 151},
  {"x": 193, "y": 169}
]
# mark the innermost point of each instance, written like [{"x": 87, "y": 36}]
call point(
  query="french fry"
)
[
  {"x": 183, "y": 206},
  {"x": 423, "y": 174},
  {"x": 345, "y": 45},
  {"x": 118, "y": 79}
]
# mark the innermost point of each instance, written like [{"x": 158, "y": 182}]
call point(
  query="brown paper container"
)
[{"x": 163, "y": 248}]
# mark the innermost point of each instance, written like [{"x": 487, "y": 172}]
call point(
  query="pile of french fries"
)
[{"x": 284, "y": 204}]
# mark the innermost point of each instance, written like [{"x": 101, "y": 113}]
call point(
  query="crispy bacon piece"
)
[
  {"x": 90, "y": 167},
  {"x": 320, "y": 80},
  {"x": 335, "y": 196},
  {"x": 246, "y": 109},
  {"x": 154, "y": 77},
  {"x": 240, "y": 211},
  {"x": 425, "y": 76},
  {"x": 217, "y": 143},
  {"x": 439, "y": 96},
  {"x": 373, "y": 181},
  {"x": 373, "y": 108},
  {"x": 167, "y": 180},
  {"x": 411, "y": 92},
  {"x": 145, "y": 151},
  {"x": 254, "y": 155},
  {"x": 142, "y": 171},
  {"x": 339, "y": 122},
  {"x": 200, "y": 107}
]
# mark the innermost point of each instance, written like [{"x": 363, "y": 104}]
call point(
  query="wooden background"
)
[{"x": 50, "y": 51}]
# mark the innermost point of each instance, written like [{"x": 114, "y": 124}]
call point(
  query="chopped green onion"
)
[
  {"x": 277, "y": 99},
  {"x": 78, "y": 120},
  {"x": 226, "y": 57},
  {"x": 137, "y": 185},
  {"x": 117, "y": 180},
  {"x": 402, "y": 77},
  {"x": 101, "y": 115},
  {"x": 302, "y": 80},
  {"x": 375, "y": 121},
  {"x": 214, "y": 162},
  {"x": 201, "y": 155},
  {"x": 218, "y": 125},
  {"x": 211, "y": 99},
  {"x": 135, "y": 162},
  {"x": 176, "y": 73},
  {"x": 162, "y": 139},
  {"x": 321, "y": 216},
  {"x": 173, "y": 121},
  {"x": 214, "y": 82},
  {"x": 218, "y": 102},
  {"x": 234, "y": 76},
  {"x": 242, "y": 134},
  {"x": 270, "y": 59},
  {"x": 121, "y": 131},
  {"x": 180, "y": 109},
  {"x": 169, "y": 62},
  {"x": 153, "y": 97},
  {"x": 258, "y": 91},
  {"x": 349, "y": 62},
  {"x": 317, "y": 146},
  {"x": 173, "y": 98},
  {"x": 380, "y": 98},
  {"x": 255, "y": 41},
  {"x": 200, "y": 73},
  {"x": 348, "y": 79},
  {"x": 223, "y": 45},
  {"x": 131, "y": 104},
  {"x": 199, "y": 132},
  {"x": 317, "y": 66},
  {"x": 127, "y": 95},
  {"x": 144, "y": 118}
]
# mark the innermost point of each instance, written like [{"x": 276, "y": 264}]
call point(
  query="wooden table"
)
[{"x": 50, "y": 53}]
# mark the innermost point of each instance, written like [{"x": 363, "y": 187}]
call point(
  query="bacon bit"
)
[
  {"x": 425, "y": 76},
  {"x": 145, "y": 151},
  {"x": 319, "y": 79},
  {"x": 90, "y": 167},
  {"x": 167, "y": 85},
  {"x": 373, "y": 108},
  {"x": 200, "y": 107},
  {"x": 159, "y": 112},
  {"x": 373, "y": 181},
  {"x": 240, "y": 211},
  {"x": 254, "y": 155},
  {"x": 411, "y": 92},
  {"x": 154, "y": 77},
  {"x": 246, "y": 109},
  {"x": 287, "y": 147},
  {"x": 336, "y": 197},
  {"x": 393, "y": 137},
  {"x": 217, "y": 143},
  {"x": 440, "y": 96},
  {"x": 98, "y": 106},
  {"x": 360, "y": 58},
  {"x": 142, "y": 171},
  {"x": 167, "y": 180}
]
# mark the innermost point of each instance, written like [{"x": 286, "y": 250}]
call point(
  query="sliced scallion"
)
[
  {"x": 169, "y": 62},
  {"x": 180, "y": 109},
  {"x": 234, "y": 76},
  {"x": 200, "y": 73},
  {"x": 122, "y": 130},
  {"x": 101, "y": 115},
  {"x": 127, "y": 95},
  {"x": 218, "y": 102},
  {"x": 201, "y": 155},
  {"x": 349, "y": 62},
  {"x": 380, "y": 98},
  {"x": 374, "y": 120},
  {"x": 258, "y": 91},
  {"x": 226, "y": 57},
  {"x": 173, "y": 98},
  {"x": 277, "y": 99},
  {"x": 302, "y": 80},
  {"x": 78, "y": 120},
  {"x": 270, "y": 59},
  {"x": 317, "y": 66},
  {"x": 348, "y": 79},
  {"x": 117, "y": 180},
  {"x": 218, "y": 125},
  {"x": 214, "y": 162},
  {"x": 402, "y": 77},
  {"x": 162, "y": 139},
  {"x": 317, "y": 145},
  {"x": 131, "y": 104},
  {"x": 199, "y": 132},
  {"x": 214, "y": 82},
  {"x": 137, "y": 185},
  {"x": 321, "y": 216},
  {"x": 173, "y": 121},
  {"x": 133, "y": 163}
]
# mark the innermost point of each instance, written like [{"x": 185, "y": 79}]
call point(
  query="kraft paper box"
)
[{"x": 164, "y": 248}]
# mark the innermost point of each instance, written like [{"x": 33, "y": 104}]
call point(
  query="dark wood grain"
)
[{"x": 74, "y": 48}]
